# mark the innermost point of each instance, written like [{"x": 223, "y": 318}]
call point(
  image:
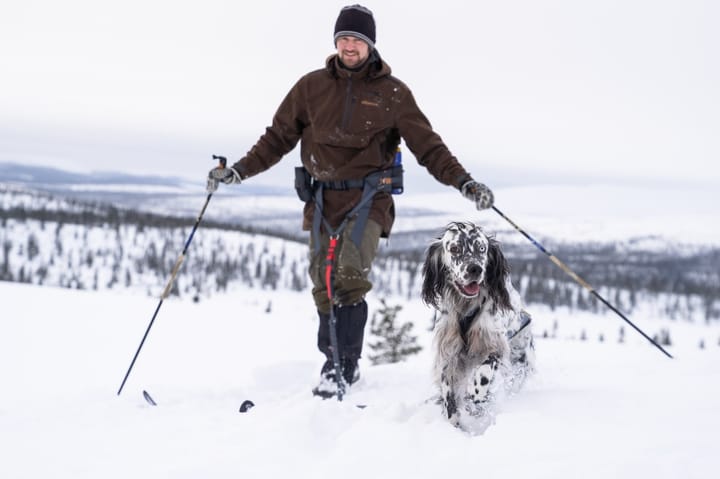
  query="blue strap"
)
[
  {"x": 363, "y": 209},
  {"x": 317, "y": 218}
]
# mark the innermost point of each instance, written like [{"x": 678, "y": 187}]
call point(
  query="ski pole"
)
[
  {"x": 176, "y": 268},
  {"x": 580, "y": 281}
]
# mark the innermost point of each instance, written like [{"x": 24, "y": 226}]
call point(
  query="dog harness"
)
[{"x": 467, "y": 320}]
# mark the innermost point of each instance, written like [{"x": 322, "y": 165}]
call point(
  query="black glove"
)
[
  {"x": 479, "y": 193},
  {"x": 228, "y": 176}
]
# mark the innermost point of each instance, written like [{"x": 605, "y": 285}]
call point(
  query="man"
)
[{"x": 349, "y": 118}]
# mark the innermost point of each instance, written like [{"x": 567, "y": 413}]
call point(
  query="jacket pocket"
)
[{"x": 342, "y": 139}]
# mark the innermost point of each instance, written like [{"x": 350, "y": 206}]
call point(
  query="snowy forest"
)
[{"x": 89, "y": 245}]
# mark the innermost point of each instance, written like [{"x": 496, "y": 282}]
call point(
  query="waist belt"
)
[{"x": 340, "y": 184}]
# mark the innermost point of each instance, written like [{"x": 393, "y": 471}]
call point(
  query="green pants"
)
[{"x": 351, "y": 267}]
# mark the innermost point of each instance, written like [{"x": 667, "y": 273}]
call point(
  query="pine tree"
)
[
  {"x": 33, "y": 248},
  {"x": 663, "y": 337},
  {"x": 394, "y": 342}
]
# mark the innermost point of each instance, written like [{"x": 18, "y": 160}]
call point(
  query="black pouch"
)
[
  {"x": 390, "y": 180},
  {"x": 303, "y": 184}
]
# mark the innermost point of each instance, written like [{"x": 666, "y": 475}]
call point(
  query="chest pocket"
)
[
  {"x": 372, "y": 113},
  {"x": 369, "y": 115}
]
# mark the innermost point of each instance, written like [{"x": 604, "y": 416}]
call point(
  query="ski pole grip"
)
[
  {"x": 222, "y": 160},
  {"x": 174, "y": 273}
]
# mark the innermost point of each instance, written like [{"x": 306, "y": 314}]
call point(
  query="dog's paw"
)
[
  {"x": 478, "y": 409},
  {"x": 477, "y": 417},
  {"x": 450, "y": 408},
  {"x": 480, "y": 381},
  {"x": 480, "y": 400}
]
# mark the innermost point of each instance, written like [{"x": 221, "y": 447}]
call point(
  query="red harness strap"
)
[{"x": 329, "y": 260}]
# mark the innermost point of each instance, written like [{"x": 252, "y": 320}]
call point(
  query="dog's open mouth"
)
[{"x": 470, "y": 289}]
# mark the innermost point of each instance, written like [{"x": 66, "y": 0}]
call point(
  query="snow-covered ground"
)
[{"x": 594, "y": 410}]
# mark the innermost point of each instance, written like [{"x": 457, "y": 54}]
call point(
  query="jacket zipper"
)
[{"x": 348, "y": 106}]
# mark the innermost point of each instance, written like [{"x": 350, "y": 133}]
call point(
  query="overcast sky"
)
[{"x": 565, "y": 88}]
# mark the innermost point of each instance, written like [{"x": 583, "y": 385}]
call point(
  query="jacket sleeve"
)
[
  {"x": 426, "y": 145},
  {"x": 279, "y": 138}
]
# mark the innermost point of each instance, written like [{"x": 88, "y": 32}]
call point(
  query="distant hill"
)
[
  {"x": 45, "y": 178},
  {"x": 56, "y": 240}
]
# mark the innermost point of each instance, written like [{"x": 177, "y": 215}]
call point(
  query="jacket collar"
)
[{"x": 374, "y": 67}]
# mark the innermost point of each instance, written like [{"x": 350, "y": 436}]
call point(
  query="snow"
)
[{"x": 594, "y": 410}]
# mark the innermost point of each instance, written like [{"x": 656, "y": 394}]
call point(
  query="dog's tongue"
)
[{"x": 471, "y": 289}]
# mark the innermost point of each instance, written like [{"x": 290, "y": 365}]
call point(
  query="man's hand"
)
[
  {"x": 218, "y": 174},
  {"x": 479, "y": 193}
]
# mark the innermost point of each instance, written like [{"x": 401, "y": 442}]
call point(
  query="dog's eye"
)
[
  {"x": 482, "y": 248},
  {"x": 454, "y": 249}
]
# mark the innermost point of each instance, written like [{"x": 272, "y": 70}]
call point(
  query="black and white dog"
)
[{"x": 483, "y": 342}]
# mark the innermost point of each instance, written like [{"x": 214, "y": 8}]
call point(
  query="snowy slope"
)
[{"x": 595, "y": 410}]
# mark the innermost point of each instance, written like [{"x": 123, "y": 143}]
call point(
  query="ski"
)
[
  {"x": 149, "y": 398},
  {"x": 244, "y": 407}
]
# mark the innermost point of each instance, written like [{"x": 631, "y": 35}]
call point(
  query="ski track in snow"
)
[{"x": 594, "y": 409}]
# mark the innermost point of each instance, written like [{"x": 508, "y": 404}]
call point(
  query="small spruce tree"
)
[
  {"x": 663, "y": 337},
  {"x": 394, "y": 342}
]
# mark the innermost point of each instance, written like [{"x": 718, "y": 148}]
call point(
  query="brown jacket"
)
[{"x": 349, "y": 124}]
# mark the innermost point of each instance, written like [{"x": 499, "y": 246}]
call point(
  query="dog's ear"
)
[
  {"x": 433, "y": 275},
  {"x": 496, "y": 275}
]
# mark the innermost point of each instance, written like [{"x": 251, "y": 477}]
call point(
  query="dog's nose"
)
[{"x": 474, "y": 270}]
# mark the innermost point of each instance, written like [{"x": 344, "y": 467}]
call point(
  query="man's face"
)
[{"x": 352, "y": 51}]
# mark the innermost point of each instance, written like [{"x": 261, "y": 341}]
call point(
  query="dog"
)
[{"x": 483, "y": 340}]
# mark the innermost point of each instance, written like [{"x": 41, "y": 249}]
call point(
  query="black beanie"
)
[{"x": 356, "y": 21}]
